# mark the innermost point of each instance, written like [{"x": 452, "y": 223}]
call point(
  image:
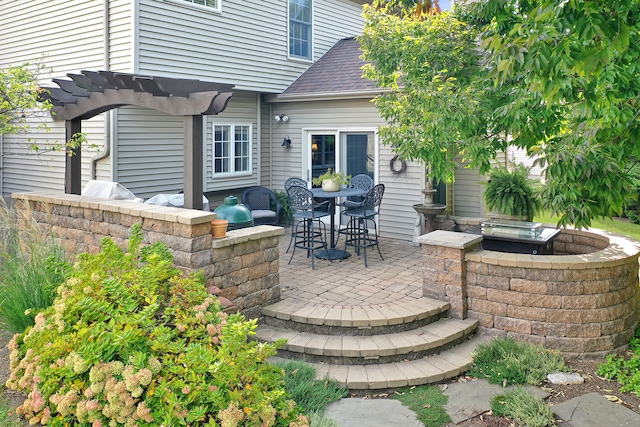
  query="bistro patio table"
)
[{"x": 332, "y": 252}]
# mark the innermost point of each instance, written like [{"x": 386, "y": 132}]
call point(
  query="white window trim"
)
[
  {"x": 232, "y": 173},
  {"x": 188, "y": 4},
  {"x": 311, "y": 41}
]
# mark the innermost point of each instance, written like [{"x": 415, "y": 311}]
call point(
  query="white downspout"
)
[
  {"x": 270, "y": 147},
  {"x": 107, "y": 119},
  {"x": 259, "y": 144}
]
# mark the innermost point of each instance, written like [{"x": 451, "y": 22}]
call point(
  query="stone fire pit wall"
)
[
  {"x": 245, "y": 265},
  {"x": 584, "y": 302}
]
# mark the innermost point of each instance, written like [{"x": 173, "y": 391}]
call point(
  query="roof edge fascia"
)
[{"x": 324, "y": 96}]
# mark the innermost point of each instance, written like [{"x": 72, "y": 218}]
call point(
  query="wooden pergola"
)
[{"x": 90, "y": 93}]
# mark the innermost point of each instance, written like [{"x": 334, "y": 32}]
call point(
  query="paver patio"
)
[{"x": 347, "y": 283}]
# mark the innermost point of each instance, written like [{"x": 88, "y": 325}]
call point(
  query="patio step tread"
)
[
  {"x": 422, "y": 339},
  {"x": 428, "y": 370},
  {"x": 358, "y": 317}
]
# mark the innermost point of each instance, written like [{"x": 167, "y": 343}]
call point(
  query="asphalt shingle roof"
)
[{"x": 337, "y": 71}]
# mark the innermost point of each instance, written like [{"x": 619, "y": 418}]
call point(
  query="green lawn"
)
[{"x": 615, "y": 226}]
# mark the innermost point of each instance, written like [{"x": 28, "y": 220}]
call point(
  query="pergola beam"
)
[{"x": 93, "y": 92}]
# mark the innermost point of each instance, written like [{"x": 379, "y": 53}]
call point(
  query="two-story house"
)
[{"x": 295, "y": 71}]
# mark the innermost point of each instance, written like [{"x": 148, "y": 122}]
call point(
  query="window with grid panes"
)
[
  {"x": 231, "y": 149},
  {"x": 300, "y": 14}
]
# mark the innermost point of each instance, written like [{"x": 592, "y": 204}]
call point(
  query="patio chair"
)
[
  {"x": 294, "y": 181},
  {"x": 361, "y": 182},
  {"x": 263, "y": 204},
  {"x": 306, "y": 217},
  {"x": 360, "y": 214}
]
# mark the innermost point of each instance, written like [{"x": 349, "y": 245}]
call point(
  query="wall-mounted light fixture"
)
[
  {"x": 281, "y": 118},
  {"x": 287, "y": 141}
]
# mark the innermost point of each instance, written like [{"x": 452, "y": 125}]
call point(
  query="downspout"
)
[
  {"x": 270, "y": 148},
  {"x": 259, "y": 133},
  {"x": 107, "y": 119}
]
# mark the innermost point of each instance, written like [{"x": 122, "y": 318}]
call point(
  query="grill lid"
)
[{"x": 238, "y": 215}]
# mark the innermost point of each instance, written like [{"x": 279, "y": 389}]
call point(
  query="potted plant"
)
[
  {"x": 332, "y": 180},
  {"x": 511, "y": 194}
]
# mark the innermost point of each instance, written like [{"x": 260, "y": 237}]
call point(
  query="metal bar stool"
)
[
  {"x": 357, "y": 232},
  {"x": 306, "y": 218}
]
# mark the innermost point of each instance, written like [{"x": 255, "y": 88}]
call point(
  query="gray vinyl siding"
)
[
  {"x": 66, "y": 37},
  {"x": 519, "y": 155},
  {"x": 121, "y": 35},
  {"x": 245, "y": 45},
  {"x": 24, "y": 169},
  {"x": 241, "y": 110},
  {"x": 150, "y": 151},
  {"x": 468, "y": 190},
  {"x": 397, "y": 216},
  {"x": 467, "y": 193}
]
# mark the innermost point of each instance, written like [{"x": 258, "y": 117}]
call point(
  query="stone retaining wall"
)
[
  {"x": 245, "y": 265},
  {"x": 581, "y": 304}
]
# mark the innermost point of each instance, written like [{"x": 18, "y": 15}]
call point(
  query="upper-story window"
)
[
  {"x": 231, "y": 149},
  {"x": 300, "y": 28},
  {"x": 214, "y": 4}
]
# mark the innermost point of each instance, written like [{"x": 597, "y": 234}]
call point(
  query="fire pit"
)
[{"x": 519, "y": 237}]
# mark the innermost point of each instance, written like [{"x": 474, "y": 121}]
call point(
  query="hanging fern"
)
[{"x": 511, "y": 193}]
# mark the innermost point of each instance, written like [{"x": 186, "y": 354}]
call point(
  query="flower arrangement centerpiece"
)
[{"x": 332, "y": 180}]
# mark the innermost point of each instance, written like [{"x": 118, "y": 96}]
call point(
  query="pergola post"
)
[
  {"x": 193, "y": 162},
  {"x": 86, "y": 95},
  {"x": 73, "y": 159}
]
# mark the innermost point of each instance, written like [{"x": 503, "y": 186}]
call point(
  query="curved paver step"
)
[
  {"x": 368, "y": 320},
  {"x": 428, "y": 370},
  {"x": 384, "y": 348}
]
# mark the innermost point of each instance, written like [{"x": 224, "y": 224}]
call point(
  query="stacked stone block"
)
[
  {"x": 445, "y": 270},
  {"x": 244, "y": 265},
  {"x": 586, "y": 304}
]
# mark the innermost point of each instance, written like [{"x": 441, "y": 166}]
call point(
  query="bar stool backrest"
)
[
  {"x": 300, "y": 199},
  {"x": 373, "y": 199},
  {"x": 361, "y": 182},
  {"x": 294, "y": 181}
]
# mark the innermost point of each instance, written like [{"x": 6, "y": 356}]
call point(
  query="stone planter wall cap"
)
[{"x": 449, "y": 239}]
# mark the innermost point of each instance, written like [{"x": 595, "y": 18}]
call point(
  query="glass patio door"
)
[{"x": 358, "y": 153}]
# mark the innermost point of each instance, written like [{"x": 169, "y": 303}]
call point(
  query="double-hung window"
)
[
  {"x": 214, "y": 4},
  {"x": 300, "y": 29},
  {"x": 231, "y": 149}
]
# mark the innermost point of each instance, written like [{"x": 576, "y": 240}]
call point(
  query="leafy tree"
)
[
  {"x": 19, "y": 97},
  {"x": 560, "y": 79},
  {"x": 21, "y": 100}
]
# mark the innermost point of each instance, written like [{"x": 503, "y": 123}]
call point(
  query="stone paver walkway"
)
[{"x": 347, "y": 283}]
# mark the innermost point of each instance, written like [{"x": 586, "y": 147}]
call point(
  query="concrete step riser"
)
[
  {"x": 384, "y": 348},
  {"x": 367, "y": 360},
  {"x": 357, "y": 331},
  {"x": 386, "y": 377}
]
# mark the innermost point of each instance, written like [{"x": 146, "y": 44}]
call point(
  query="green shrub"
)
[
  {"x": 132, "y": 341},
  {"x": 287, "y": 212},
  {"x": 524, "y": 407},
  {"x": 506, "y": 361},
  {"x": 427, "y": 402},
  {"x": 32, "y": 266},
  {"x": 625, "y": 371},
  {"x": 310, "y": 394},
  {"x": 510, "y": 192}
]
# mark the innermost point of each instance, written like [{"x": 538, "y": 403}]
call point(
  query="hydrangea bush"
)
[{"x": 132, "y": 341}]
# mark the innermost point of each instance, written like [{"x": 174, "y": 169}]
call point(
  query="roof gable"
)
[{"x": 337, "y": 71}]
